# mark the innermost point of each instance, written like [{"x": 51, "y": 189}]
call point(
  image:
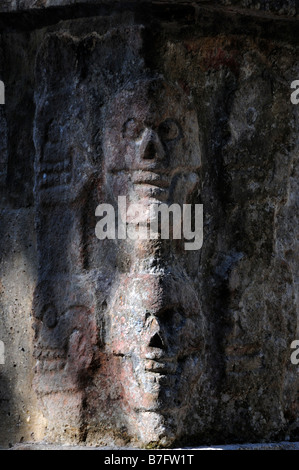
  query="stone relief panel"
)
[
  {"x": 131, "y": 309},
  {"x": 140, "y": 340},
  {"x": 154, "y": 322},
  {"x": 247, "y": 278}
]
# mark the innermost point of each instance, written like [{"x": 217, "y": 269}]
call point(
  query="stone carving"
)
[
  {"x": 66, "y": 331},
  {"x": 154, "y": 329},
  {"x": 152, "y": 154},
  {"x": 151, "y": 143},
  {"x": 141, "y": 341}
]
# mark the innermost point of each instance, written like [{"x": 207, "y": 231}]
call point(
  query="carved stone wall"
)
[{"x": 144, "y": 342}]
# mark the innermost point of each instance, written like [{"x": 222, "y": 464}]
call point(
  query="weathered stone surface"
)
[
  {"x": 142, "y": 342},
  {"x": 280, "y": 7},
  {"x": 265, "y": 446},
  {"x": 20, "y": 417}
]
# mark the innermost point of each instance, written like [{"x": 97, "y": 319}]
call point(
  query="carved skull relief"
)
[{"x": 152, "y": 153}]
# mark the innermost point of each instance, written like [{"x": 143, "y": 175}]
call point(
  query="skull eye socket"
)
[
  {"x": 132, "y": 129},
  {"x": 169, "y": 130}
]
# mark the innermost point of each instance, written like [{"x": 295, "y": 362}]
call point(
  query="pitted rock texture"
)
[
  {"x": 279, "y": 7},
  {"x": 145, "y": 343}
]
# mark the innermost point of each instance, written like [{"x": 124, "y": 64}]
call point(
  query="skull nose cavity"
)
[
  {"x": 156, "y": 342},
  {"x": 150, "y": 151}
]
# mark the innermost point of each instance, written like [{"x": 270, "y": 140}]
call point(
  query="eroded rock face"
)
[{"x": 143, "y": 341}]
